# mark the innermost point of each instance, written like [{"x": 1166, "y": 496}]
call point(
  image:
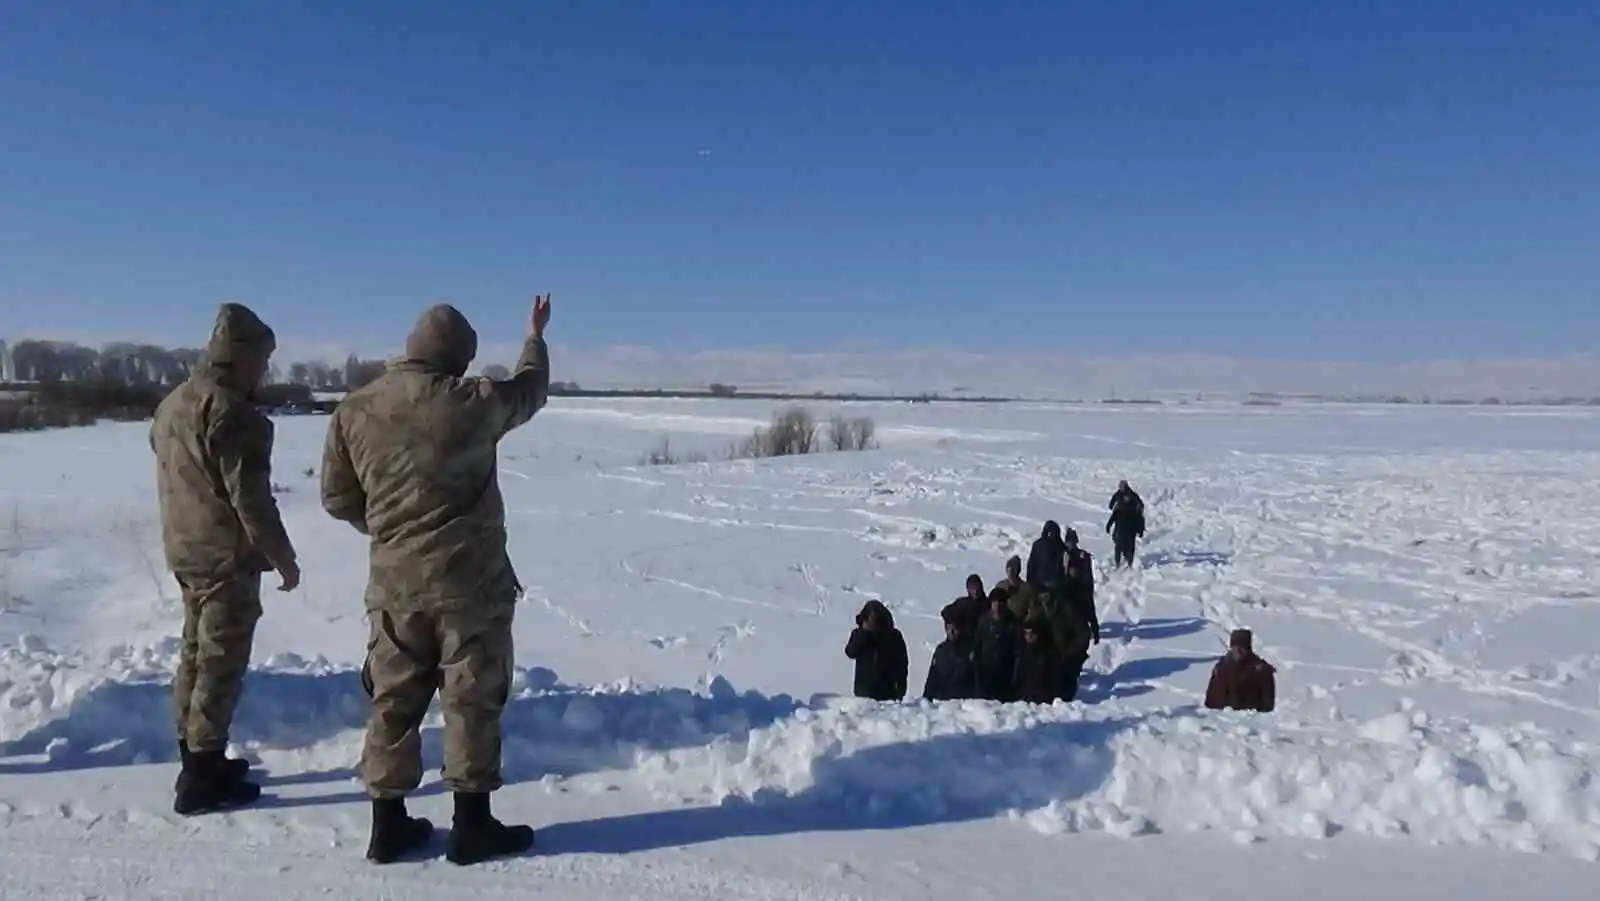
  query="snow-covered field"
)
[{"x": 1426, "y": 580}]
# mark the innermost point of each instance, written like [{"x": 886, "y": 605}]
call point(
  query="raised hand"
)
[{"x": 540, "y": 317}]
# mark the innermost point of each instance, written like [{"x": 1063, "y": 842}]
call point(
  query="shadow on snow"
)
[
  {"x": 948, "y": 779},
  {"x": 549, "y": 728}
]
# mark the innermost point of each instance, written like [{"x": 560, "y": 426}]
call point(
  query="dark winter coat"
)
[
  {"x": 1046, "y": 561},
  {"x": 1083, "y": 562},
  {"x": 1242, "y": 684},
  {"x": 880, "y": 656},
  {"x": 1038, "y": 673},
  {"x": 951, "y": 675},
  {"x": 1069, "y": 610},
  {"x": 1127, "y": 516},
  {"x": 995, "y": 655}
]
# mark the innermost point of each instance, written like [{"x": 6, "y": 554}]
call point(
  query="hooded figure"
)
[
  {"x": 1241, "y": 680},
  {"x": 411, "y": 461},
  {"x": 1038, "y": 674},
  {"x": 995, "y": 650},
  {"x": 220, "y": 530},
  {"x": 879, "y": 651},
  {"x": 951, "y": 674},
  {"x": 1126, "y": 523},
  {"x": 1045, "y": 564}
]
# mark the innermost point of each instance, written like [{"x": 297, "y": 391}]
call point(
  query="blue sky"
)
[{"x": 1368, "y": 183}]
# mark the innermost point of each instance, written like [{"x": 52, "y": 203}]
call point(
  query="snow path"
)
[{"x": 1427, "y": 583}]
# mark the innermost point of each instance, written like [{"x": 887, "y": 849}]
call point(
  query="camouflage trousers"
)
[
  {"x": 219, "y": 627},
  {"x": 467, "y": 657}
]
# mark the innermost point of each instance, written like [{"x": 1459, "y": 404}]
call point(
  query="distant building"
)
[{"x": 8, "y": 370}]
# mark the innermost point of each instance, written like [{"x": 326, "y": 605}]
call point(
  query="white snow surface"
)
[{"x": 1427, "y": 582}]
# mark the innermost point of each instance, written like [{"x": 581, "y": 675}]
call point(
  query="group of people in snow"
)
[
  {"x": 410, "y": 462},
  {"x": 1028, "y": 638}
]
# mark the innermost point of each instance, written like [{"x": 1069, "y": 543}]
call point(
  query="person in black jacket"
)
[
  {"x": 1077, "y": 555},
  {"x": 1078, "y": 625},
  {"x": 879, "y": 651},
  {"x": 951, "y": 675},
  {"x": 995, "y": 650},
  {"x": 1045, "y": 564},
  {"x": 1038, "y": 672},
  {"x": 1126, "y": 524}
]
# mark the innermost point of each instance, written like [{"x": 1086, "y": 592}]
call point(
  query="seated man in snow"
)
[
  {"x": 1241, "y": 680},
  {"x": 879, "y": 651},
  {"x": 951, "y": 674}
]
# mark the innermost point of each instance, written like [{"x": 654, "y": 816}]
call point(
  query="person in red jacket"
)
[{"x": 1241, "y": 680}]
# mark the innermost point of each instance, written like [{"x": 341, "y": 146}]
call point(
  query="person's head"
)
[
  {"x": 1122, "y": 485},
  {"x": 1014, "y": 568},
  {"x": 242, "y": 345},
  {"x": 1052, "y": 529},
  {"x": 1031, "y": 632},
  {"x": 975, "y": 587},
  {"x": 1241, "y": 644},
  {"x": 951, "y": 615},
  {"x": 1071, "y": 539},
  {"x": 443, "y": 340},
  {"x": 998, "y": 598}
]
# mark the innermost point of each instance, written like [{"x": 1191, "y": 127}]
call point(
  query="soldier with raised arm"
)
[{"x": 411, "y": 461}]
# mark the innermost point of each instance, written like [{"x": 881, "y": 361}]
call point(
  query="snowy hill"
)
[{"x": 1425, "y": 580}]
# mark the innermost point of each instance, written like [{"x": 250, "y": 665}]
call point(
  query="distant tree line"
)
[{"x": 124, "y": 363}]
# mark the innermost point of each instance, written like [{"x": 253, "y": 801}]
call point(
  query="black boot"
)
[
  {"x": 233, "y": 770},
  {"x": 204, "y": 786},
  {"x": 394, "y": 832},
  {"x": 476, "y": 836}
]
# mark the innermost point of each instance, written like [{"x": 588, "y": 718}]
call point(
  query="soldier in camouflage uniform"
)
[
  {"x": 410, "y": 461},
  {"x": 220, "y": 531}
]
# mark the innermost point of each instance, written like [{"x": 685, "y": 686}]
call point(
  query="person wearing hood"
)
[
  {"x": 410, "y": 462},
  {"x": 1077, "y": 556},
  {"x": 994, "y": 651},
  {"x": 951, "y": 673},
  {"x": 1045, "y": 564},
  {"x": 1038, "y": 675},
  {"x": 1241, "y": 680},
  {"x": 879, "y": 651},
  {"x": 220, "y": 531},
  {"x": 1126, "y": 523}
]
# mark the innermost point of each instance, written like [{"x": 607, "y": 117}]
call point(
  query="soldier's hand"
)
[
  {"x": 540, "y": 317},
  {"x": 290, "y": 574}
]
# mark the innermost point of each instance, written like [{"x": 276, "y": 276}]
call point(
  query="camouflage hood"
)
[
  {"x": 239, "y": 335},
  {"x": 443, "y": 342}
]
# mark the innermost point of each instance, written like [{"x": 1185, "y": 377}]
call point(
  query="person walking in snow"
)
[
  {"x": 879, "y": 651},
  {"x": 220, "y": 531},
  {"x": 995, "y": 650},
  {"x": 1241, "y": 680},
  {"x": 951, "y": 672},
  {"x": 973, "y": 604},
  {"x": 1039, "y": 667},
  {"x": 1022, "y": 598},
  {"x": 1126, "y": 523},
  {"x": 1069, "y": 611},
  {"x": 410, "y": 460},
  {"x": 1045, "y": 563},
  {"x": 1077, "y": 556}
]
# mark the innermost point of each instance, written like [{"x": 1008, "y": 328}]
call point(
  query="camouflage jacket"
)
[
  {"x": 214, "y": 478},
  {"x": 411, "y": 461}
]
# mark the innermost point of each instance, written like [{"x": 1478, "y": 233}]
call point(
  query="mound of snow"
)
[{"x": 1060, "y": 770}]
